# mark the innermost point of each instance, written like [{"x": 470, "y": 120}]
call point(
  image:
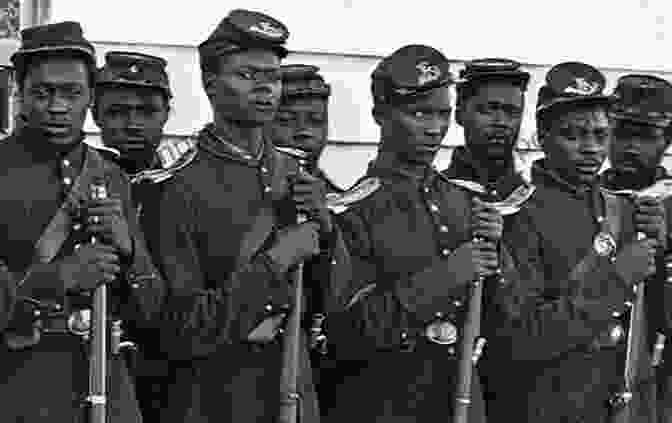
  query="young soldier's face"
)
[
  {"x": 414, "y": 131},
  {"x": 491, "y": 120},
  {"x": 131, "y": 119},
  {"x": 576, "y": 143},
  {"x": 636, "y": 147},
  {"x": 301, "y": 123},
  {"x": 247, "y": 87},
  {"x": 56, "y": 96}
]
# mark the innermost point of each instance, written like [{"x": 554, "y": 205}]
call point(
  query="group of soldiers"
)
[{"x": 202, "y": 242}]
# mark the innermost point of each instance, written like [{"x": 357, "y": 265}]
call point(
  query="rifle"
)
[
  {"x": 473, "y": 343},
  {"x": 291, "y": 345},
  {"x": 97, "y": 397}
]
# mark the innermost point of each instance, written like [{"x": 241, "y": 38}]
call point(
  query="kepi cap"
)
[
  {"x": 245, "y": 29},
  {"x": 480, "y": 70},
  {"x": 56, "y": 37},
  {"x": 644, "y": 99},
  {"x": 408, "y": 72},
  {"x": 572, "y": 82},
  {"x": 303, "y": 81},
  {"x": 134, "y": 69}
]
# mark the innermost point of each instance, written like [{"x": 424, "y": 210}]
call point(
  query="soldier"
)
[
  {"x": 577, "y": 259},
  {"x": 46, "y": 226},
  {"x": 302, "y": 120},
  {"x": 226, "y": 238},
  {"x": 490, "y": 104},
  {"x": 411, "y": 237},
  {"x": 300, "y": 129},
  {"x": 641, "y": 115},
  {"x": 131, "y": 109}
]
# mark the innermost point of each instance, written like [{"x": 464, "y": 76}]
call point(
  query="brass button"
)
[
  {"x": 67, "y": 180},
  {"x": 445, "y": 252},
  {"x": 433, "y": 207},
  {"x": 66, "y": 162},
  {"x": 267, "y": 189},
  {"x": 77, "y": 226},
  {"x": 268, "y": 308},
  {"x": 443, "y": 228},
  {"x": 457, "y": 303},
  {"x": 438, "y": 315},
  {"x": 264, "y": 169}
]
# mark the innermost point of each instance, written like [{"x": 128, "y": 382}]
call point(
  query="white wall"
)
[{"x": 346, "y": 38}]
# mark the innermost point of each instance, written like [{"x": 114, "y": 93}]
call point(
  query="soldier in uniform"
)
[
  {"x": 46, "y": 227},
  {"x": 410, "y": 238},
  {"x": 302, "y": 120},
  {"x": 641, "y": 116},
  {"x": 225, "y": 235},
  {"x": 131, "y": 109},
  {"x": 577, "y": 257},
  {"x": 300, "y": 129},
  {"x": 490, "y": 105}
]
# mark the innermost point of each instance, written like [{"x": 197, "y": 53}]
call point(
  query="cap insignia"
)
[
  {"x": 267, "y": 29},
  {"x": 581, "y": 86},
  {"x": 428, "y": 73},
  {"x": 134, "y": 69}
]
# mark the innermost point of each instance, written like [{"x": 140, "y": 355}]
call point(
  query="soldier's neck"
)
[
  {"x": 249, "y": 138},
  {"x": 390, "y": 160}
]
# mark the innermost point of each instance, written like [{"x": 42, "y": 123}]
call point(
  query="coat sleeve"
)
[
  {"x": 540, "y": 325},
  {"x": 7, "y": 296},
  {"x": 385, "y": 312},
  {"x": 197, "y": 318}
]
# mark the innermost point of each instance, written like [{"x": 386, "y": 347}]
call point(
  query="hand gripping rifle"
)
[
  {"x": 621, "y": 402},
  {"x": 97, "y": 397},
  {"x": 290, "y": 399},
  {"x": 473, "y": 343}
]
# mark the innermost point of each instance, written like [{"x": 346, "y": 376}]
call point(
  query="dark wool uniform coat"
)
[
  {"x": 46, "y": 382},
  {"x": 562, "y": 362},
  {"x": 216, "y": 298},
  {"x": 395, "y": 236},
  {"x": 659, "y": 293}
]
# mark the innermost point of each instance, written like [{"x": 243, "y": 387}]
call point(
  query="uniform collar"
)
[
  {"x": 40, "y": 150},
  {"x": 542, "y": 175},
  {"x": 221, "y": 147},
  {"x": 463, "y": 165},
  {"x": 386, "y": 169}
]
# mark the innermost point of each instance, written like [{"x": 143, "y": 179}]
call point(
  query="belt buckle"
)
[
  {"x": 610, "y": 338},
  {"x": 79, "y": 322},
  {"x": 442, "y": 332}
]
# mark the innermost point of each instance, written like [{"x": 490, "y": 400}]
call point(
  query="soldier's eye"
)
[{"x": 246, "y": 74}]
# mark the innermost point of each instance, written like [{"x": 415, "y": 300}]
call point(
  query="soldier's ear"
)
[
  {"x": 376, "y": 112},
  {"x": 208, "y": 79}
]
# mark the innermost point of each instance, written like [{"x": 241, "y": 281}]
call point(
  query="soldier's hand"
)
[
  {"x": 486, "y": 222},
  {"x": 637, "y": 260},
  {"x": 294, "y": 244},
  {"x": 105, "y": 219},
  {"x": 650, "y": 218},
  {"x": 89, "y": 266},
  {"x": 309, "y": 195}
]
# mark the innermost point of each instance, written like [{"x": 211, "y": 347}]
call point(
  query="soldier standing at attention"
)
[
  {"x": 577, "y": 256},
  {"x": 225, "y": 235},
  {"x": 131, "y": 109},
  {"x": 48, "y": 221},
  {"x": 411, "y": 239},
  {"x": 641, "y": 117},
  {"x": 490, "y": 106}
]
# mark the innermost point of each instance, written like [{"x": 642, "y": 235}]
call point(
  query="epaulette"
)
[
  {"x": 174, "y": 156},
  {"x": 340, "y": 202},
  {"x": 509, "y": 205},
  {"x": 660, "y": 190}
]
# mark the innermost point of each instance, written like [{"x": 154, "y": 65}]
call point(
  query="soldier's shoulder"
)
[{"x": 176, "y": 157}]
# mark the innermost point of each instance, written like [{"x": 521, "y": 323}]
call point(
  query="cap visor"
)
[{"x": 565, "y": 101}]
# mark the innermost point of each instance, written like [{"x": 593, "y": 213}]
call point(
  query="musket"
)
[
  {"x": 290, "y": 399},
  {"x": 471, "y": 347},
  {"x": 97, "y": 398}
]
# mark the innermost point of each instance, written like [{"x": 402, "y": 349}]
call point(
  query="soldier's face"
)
[
  {"x": 131, "y": 119},
  {"x": 576, "y": 143},
  {"x": 301, "y": 123},
  {"x": 491, "y": 120},
  {"x": 247, "y": 87},
  {"x": 413, "y": 132},
  {"x": 636, "y": 147},
  {"x": 55, "y": 98}
]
